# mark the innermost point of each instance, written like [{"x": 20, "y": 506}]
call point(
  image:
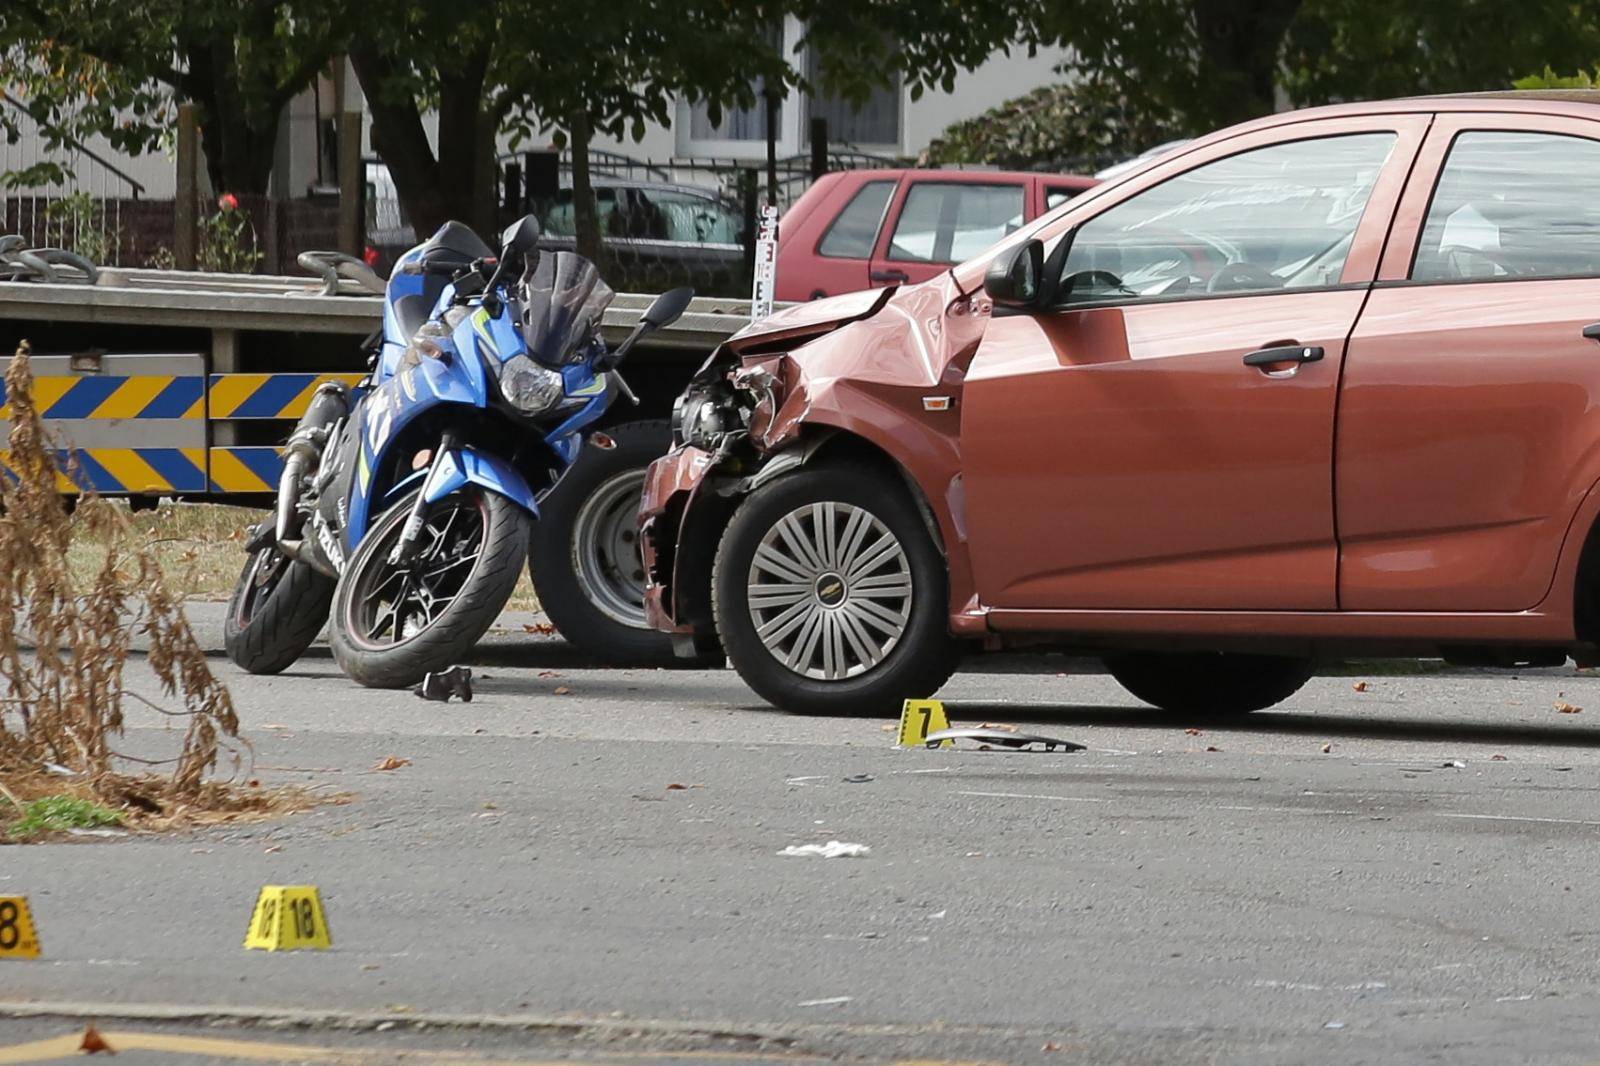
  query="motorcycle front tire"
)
[{"x": 277, "y": 609}]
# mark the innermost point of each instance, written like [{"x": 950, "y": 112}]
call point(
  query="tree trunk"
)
[
  {"x": 1237, "y": 66},
  {"x": 455, "y": 184},
  {"x": 585, "y": 218}
]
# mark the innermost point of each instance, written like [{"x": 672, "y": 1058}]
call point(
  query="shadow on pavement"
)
[{"x": 1311, "y": 725}]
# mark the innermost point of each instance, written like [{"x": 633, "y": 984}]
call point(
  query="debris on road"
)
[
  {"x": 1192, "y": 731},
  {"x": 93, "y": 1043},
  {"x": 831, "y": 1001},
  {"x": 562, "y": 690},
  {"x": 543, "y": 629},
  {"x": 1327, "y": 749},
  {"x": 440, "y": 685},
  {"x": 833, "y": 849},
  {"x": 1563, "y": 707},
  {"x": 1005, "y": 740},
  {"x": 1497, "y": 757},
  {"x": 391, "y": 762},
  {"x": 859, "y": 779},
  {"x": 1360, "y": 686}
]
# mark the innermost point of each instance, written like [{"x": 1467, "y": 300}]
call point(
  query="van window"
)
[{"x": 946, "y": 222}]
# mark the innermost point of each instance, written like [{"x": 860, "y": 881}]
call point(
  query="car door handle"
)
[
  {"x": 1289, "y": 353},
  {"x": 1591, "y": 332},
  {"x": 889, "y": 275}
]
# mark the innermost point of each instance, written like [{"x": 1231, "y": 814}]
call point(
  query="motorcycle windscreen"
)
[{"x": 562, "y": 299}]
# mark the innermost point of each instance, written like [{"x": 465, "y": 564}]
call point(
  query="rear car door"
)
[
  {"x": 843, "y": 255},
  {"x": 1132, "y": 448},
  {"x": 1468, "y": 424},
  {"x": 941, "y": 220}
]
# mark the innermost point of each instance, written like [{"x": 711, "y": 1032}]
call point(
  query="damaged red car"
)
[{"x": 1327, "y": 383}]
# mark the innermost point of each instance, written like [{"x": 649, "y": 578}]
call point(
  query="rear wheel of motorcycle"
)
[
  {"x": 391, "y": 625},
  {"x": 278, "y": 608},
  {"x": 583, "y": 554}
]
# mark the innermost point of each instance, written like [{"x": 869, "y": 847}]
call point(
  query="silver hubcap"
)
[
  {"x": 605, "y": 549},
  {"x": 830, "y": 591}
]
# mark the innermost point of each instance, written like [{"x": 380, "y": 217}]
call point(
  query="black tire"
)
[
  {"x": 920, "y": 660},
  {"x": 446, "y": 639},
  {"x": 1202, "y": 685},
  {"x": 585, "y": 541},
  {"x": 277, "y": 609}
]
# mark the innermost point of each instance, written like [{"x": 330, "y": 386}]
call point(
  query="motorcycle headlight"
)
[{"x": 529, "y": 387}]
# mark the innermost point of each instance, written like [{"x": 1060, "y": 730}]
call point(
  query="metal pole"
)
[
  {"x": 772, "y": 148},
  {"x": 352, "y": 230},
  {"x": 819, "y": 148}
]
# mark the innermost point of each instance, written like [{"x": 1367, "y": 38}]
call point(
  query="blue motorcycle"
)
[{"x": 405, "y": 505}]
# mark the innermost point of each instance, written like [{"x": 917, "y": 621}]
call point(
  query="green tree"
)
[{"x": 83, "y": 67}]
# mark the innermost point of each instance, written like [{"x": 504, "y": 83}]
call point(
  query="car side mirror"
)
[
  {"x": 667, "y": 308},
  {"x": 522, "y": 236},
  {"x": 1014, "y": 276}
]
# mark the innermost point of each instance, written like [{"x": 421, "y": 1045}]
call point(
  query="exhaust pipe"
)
[{"x": 302, "y": 454}]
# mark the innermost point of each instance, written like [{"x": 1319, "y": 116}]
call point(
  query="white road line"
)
[{"x": 1031, "y": 796}]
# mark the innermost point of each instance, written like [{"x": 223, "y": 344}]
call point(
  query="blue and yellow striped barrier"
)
[
  {"x": 245, "y": 469},
  {"x": 267, "y": 395},
  {"x": 146, "y": 471},
  {"x": 106, "y": 396}
]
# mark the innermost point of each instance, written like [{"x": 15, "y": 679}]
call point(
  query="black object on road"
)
[
  {"x": 442, "y": 684},
  {"x": 1002, "y": 738}
]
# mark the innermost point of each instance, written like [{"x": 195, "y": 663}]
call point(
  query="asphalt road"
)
[{"x": 529, "y": 888}]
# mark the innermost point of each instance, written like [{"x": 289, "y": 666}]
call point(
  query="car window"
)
[
  {"x": 560, "y": 217},
  {"x": 1056, "y": 195},
  {"x": 680, "y": 215},
  {"x": 855, "y": 232},
  {"x": 946, "y": 222},
  {"x": 1281, "y": 217},
  {"x": 1513, "y": 204}
]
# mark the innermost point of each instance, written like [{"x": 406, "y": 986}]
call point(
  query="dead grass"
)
[
  {"x": 200, "y": 548},
  {"x": 66, "y": 632}
]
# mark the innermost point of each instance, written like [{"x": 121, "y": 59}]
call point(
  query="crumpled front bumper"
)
[{"x": 670, "y": 487}]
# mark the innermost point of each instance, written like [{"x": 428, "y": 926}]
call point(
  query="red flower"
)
[
  {"x": 228, "y": 202},
  {"x": 371, "y": 257}
]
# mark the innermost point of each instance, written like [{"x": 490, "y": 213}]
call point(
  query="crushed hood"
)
[{"x": 810, "y": 319}]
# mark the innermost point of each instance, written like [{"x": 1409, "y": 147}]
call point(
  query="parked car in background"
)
[
  {"x": 1326, "y": 383},
  {"x": 861, "y": 229},
  {"x": 659, "y": 234}
]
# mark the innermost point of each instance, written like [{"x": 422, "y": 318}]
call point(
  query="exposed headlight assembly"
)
[{"x": 529, "y": 387}]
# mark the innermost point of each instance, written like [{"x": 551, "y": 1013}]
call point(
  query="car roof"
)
[
  {"x": 960, "y": 174},
  {"x": 1581, "y": 102}
]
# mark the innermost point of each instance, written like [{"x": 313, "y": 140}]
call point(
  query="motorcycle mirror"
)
[
  {"x": 667, "y": 308},
  {"x": 522, "y": 236}
]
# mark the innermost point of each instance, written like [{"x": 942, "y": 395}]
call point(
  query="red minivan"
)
[{"x": 862, "y": 229}]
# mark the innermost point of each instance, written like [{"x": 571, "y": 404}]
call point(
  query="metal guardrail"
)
[{"x": 200, "y": 300}]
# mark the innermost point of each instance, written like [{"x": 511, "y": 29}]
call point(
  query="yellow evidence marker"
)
[
  {"x": 288, "y": 917},
  {"x": 918, "y": 718},
  {"x": 18, "y": 938}
]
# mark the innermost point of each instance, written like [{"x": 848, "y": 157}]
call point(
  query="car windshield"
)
[{"x": 562, "y": 299}]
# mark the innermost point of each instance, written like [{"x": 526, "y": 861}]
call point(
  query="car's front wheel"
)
[
  {"x": 1209, "y": 685},
  {"x": 831, "y": 596}
]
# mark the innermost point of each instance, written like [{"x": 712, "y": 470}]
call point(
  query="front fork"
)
[{"x": 405, "y": 550}]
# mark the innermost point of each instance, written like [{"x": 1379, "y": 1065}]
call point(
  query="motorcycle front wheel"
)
[
  {"x": 277, "y": 609},
  {"x": 394, "y": 623}
]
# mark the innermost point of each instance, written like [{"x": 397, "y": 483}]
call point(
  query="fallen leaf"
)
[
  {"x": 274, "y": 848},
  {"x": 1051, "y": 1046},
  {"x": 1002, "y": 726},
  {"x": 1192, "y": 731},
  {"x": 1497, "y": 758},
  {"x": 562, "y": 690},
  {"x": 93, "y": 1042},
  {"x": 1327, "y": 748},
  {"x": 548, "y": 673},
  {"x": 890, "y": 728},
  {"x": 369, "y": 966},
  {"x": 392, "y": 762},
  {"x": 1212, "y": 747},
  {"x": 1562, "y": 707},
  {"x": 1360, "y": 686},
  {"x": 675, "y": 787},
  {"x": 544, "y": 629}
]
